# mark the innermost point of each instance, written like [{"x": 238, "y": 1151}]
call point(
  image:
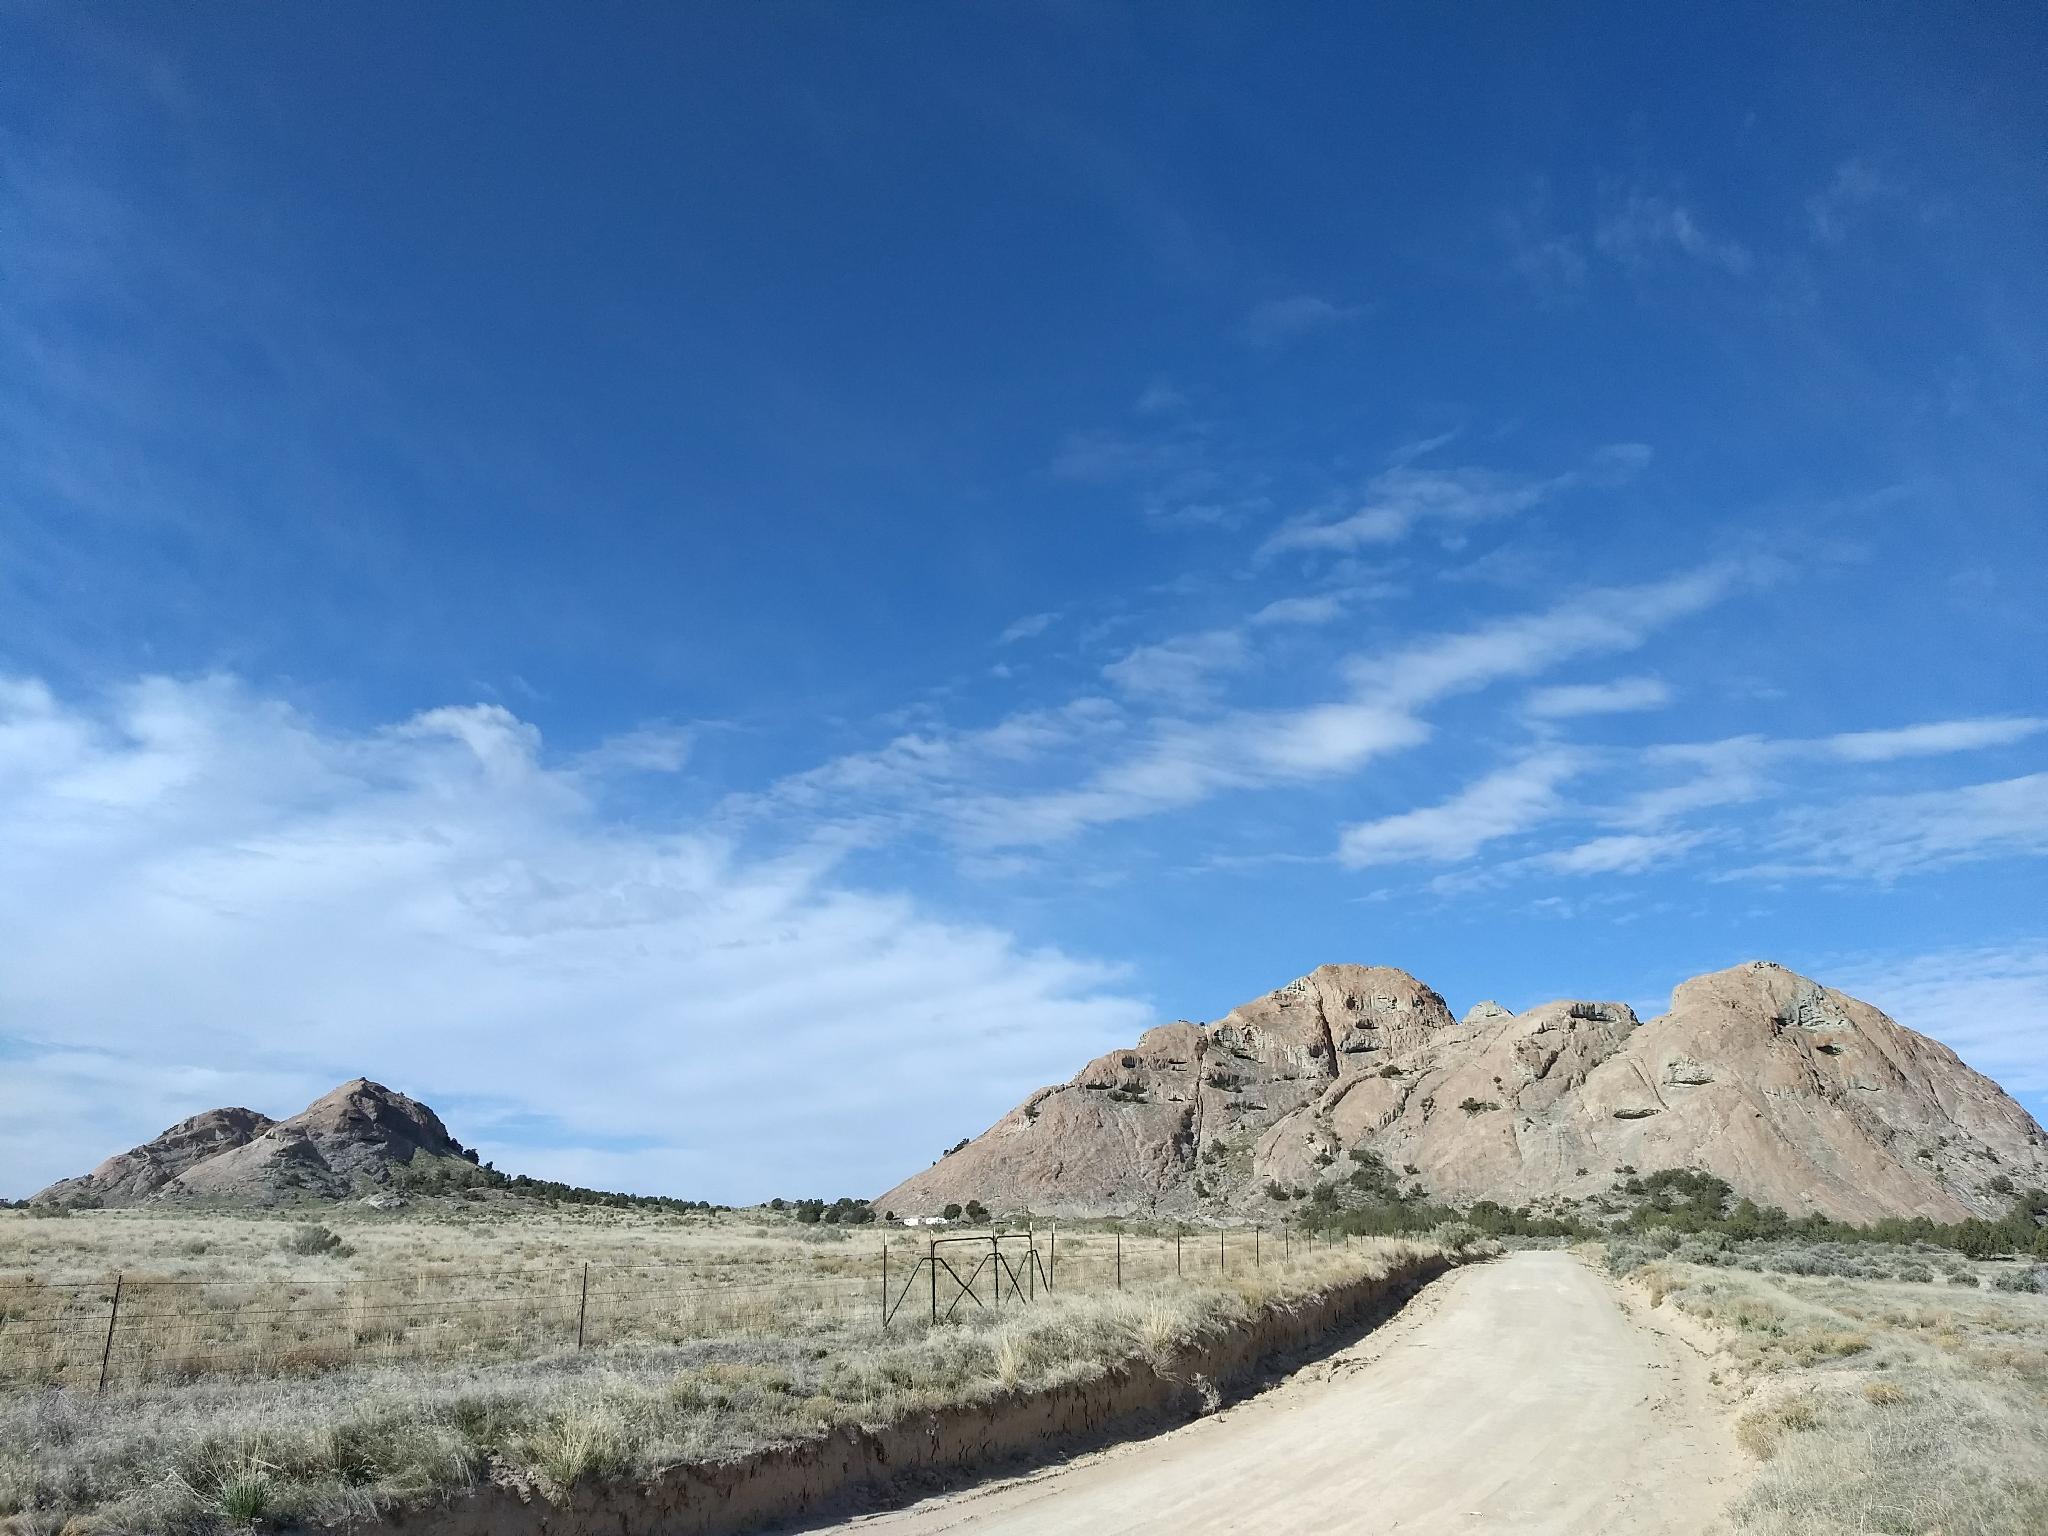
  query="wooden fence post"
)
[{"x": 107, "y": 1349}]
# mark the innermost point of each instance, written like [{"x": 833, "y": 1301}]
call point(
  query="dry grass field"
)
[
  {"x": 430, "y": 1348},
  {"x": 1880, "y": 1405}
]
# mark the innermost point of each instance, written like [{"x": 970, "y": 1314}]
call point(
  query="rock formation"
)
[
  {"x": 127, "y": 1177},
  {"x": 1797, "y": 1095},
  {"x": 342, "y": 1144}
]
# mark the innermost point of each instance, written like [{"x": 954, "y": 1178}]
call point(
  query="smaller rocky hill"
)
[{"x": 345, "y": 1143}]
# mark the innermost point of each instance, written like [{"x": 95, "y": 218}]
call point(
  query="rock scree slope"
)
[
  {"x": 343, "y": 1143},
  {"x": 1797, "y": 1094}
]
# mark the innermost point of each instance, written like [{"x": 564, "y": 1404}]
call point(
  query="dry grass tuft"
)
[
  {"x": 581, "y": 1441},
  {"x": 1759, "y": 1429}
]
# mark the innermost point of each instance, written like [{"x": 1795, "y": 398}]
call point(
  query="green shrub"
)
[{"x": 245, "y": 1497}]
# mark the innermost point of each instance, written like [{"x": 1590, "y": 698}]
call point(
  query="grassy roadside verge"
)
[
  {"x": 218, "y": 1454},
  {"x": 1875, "y": 1405}
]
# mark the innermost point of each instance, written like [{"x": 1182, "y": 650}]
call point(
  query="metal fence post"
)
[
  {"x": 107, "y": 1349},
  {"x": 1119, "y": 1258},
  {"x": 885, "y": 1281},
  {"x": 1053, "y": 1262},
  {"x": 1176, "y": 1252},
  {"x": 582, "y": 1305},
  {"x": 995, "y": 1253},
  {"x": 931, "y": 1253}
]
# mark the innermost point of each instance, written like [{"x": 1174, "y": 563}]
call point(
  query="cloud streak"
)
[
  {"x": 1028, "y": 627},
  {"x": 1511, "y": 800},
  {"x": 1277, "y": 321},
  {"x": 1182, "y": 763},
  {"x": 1643, "y": 227},
  {"x": 1571, "y": 701},
  {"x": 1404, "y": 498},
  {"x": 1884, "y": 837}
]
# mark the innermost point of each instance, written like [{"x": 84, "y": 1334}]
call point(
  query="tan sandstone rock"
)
[{"x": 1799, "y": 1096}]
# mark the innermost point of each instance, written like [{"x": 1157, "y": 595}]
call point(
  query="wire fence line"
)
[{"x": 129, "y": 1329}]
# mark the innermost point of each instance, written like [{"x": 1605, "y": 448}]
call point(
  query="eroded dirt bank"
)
[
  {"x": 1520, "y": 1396},
  {"x": 856, "y": 1468}
]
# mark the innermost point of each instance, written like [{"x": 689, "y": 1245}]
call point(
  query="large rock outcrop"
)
[
  {"x": 134, "y": 1175},
  {"x": 1798, "y": 1095},
  {"x": 344, "y": 1143}
]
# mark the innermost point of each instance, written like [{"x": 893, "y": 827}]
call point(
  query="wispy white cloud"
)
[
  {"x": 1569, "y": 701},
  {"x": 1642, "y": 226},
  {"x": 1936, "y": 738},
  {"x": 1323, "y": 608},
  {"x": 1597, "y": 621},
  {"x": 1175, "y": 763},
  {"x": 912, "y": 774},
  {"x": 443, "y": 904},
  {"x": 1550, "y": 260},
  {"x": 1403, "y": 498},
  {"x": 1029, "y": 627},
  {"x": 1618, "y": 853},
  {"x": 1102, "y": 455},
  {"x": 1182, "y": 764},
  {"x": 1884, "y": 837},
  {"x": 647, "y": 749},
  {"x": 1802, "y": 835},
  {"x": 1854, "y": 186},
  {"x": 1423, "y": 447},
  {"x": 1510, "y": 800},
  {"x": 1160, "y": 398},
  {"x": 1280, "y": 320},
  {"x": 1737, "y": 769},
  {"x": 1183, "y": 669}
]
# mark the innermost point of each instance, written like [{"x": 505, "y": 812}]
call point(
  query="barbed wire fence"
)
[{"x": 131, "y": 1329}]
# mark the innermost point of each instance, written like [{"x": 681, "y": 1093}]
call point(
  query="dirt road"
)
[{"x": 1518, "y": 1396}]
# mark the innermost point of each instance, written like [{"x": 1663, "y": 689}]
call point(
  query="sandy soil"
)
[{"x": 1516, "y": 1396}]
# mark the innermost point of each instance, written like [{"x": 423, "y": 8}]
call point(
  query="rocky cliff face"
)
[
  {"x": 1798, "y": 1095},
  {"x": 342, "y": 1144}
]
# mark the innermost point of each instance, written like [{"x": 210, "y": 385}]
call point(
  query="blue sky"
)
[{"x": 721, "y": 591}]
